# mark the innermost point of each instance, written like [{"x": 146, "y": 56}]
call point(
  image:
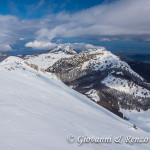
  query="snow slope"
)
[
  {"x": 141, "y": 119},
  {"x": 38, "y": 112}
]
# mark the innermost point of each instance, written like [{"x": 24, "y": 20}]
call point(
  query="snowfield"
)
[{"x": 38, "y": 112}]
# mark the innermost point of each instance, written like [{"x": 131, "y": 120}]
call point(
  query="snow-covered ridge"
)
[
  {"x": 12, "y": 61},
  {"x": 13, "y": 64},
  {"x": 39, "y": 111},
  {"x": 126, "y": 86},
  {"x": 104, "y": 59},
  {"x": 48, "y": 59}
]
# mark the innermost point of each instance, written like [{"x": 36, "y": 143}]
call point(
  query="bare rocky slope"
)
[{"x": 104, "y": 78}]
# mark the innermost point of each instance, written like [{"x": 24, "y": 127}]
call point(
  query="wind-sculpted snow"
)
[{"x": 38, "y": 112}]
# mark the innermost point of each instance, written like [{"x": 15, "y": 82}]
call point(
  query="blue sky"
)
[
  {"x": 39, "y": 8},
  {"x": 43, "y": 24}
]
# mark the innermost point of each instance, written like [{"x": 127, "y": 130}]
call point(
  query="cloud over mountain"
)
[
  {"x": 124, "y": 19},
  {"x": 130, "y": 17}
]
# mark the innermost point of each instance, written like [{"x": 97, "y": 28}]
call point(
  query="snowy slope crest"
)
[
  {"x": 12, "y": 63},
  {"x": 16, "y": 64}
]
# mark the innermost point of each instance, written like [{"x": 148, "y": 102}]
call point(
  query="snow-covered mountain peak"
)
[
  {"x": 63, "y": 49},
  {"x": 101, "y": 59}
]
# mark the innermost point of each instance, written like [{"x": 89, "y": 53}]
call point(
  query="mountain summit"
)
[{"x": 63, "y": 48}]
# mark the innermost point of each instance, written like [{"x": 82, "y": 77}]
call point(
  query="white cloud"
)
[
  {"x": 5, "y": 33},
  {"x": 11, "y": 29},
  {"x": 80, "y": 46},
  {"x": 21, "y": 39},
  {"x": 122, "y": 19},
  {"x": 105, "y": 39},
  {"x": 130, "y": 17},
  {"x": 40, "y": 45}
]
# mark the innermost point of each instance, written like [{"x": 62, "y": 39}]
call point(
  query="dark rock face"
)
[{"x": 87, "y": 71}]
